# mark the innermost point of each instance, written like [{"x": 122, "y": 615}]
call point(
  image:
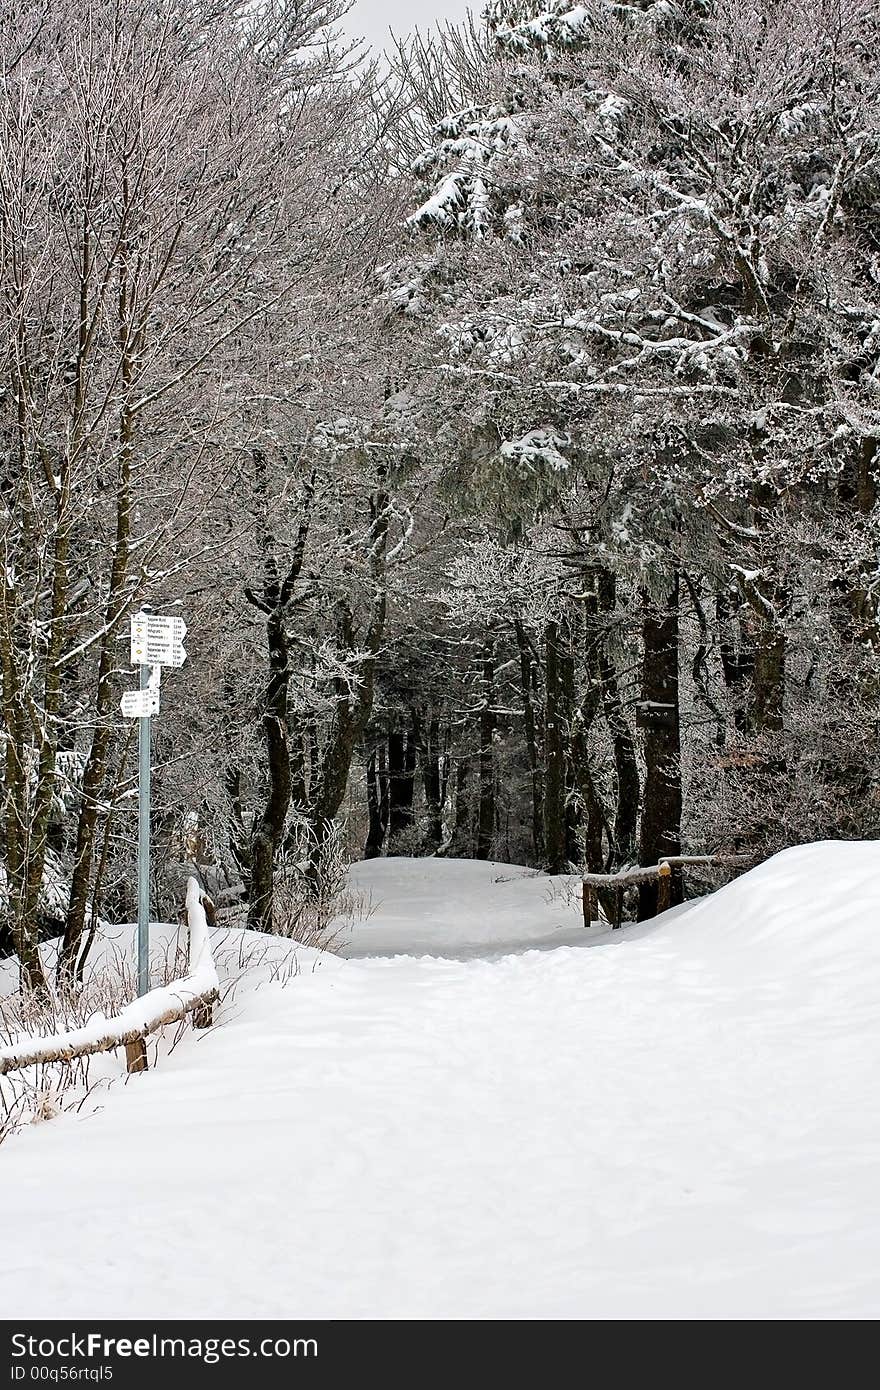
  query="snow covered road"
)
[{"x": 681, "y": 1124}]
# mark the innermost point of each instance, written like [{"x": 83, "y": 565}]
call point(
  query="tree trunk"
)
[
  {"x": 239, "y": 840},
  {"x": 21, "y": 925},
  {"x": 486, "y": 813},
  {"x": 554, "y": 753},
  {"x": 737, "y": 662},
  {"x": 766, "y": 604},
  {"x": 659, "y": 718},
  {"x": 460, "y": 844},
  {"x": 428, "y": 740},
  {"x": 527, "y": 674},
  {"x": 573, "y": 807},
  {"x": 597, "y": 825},
  {"x": 94, "y": 774},
  {"x": 353, "y": 708},
  {"x": 239, "y": 844},
  {"x": 268, "y": 831},
  {"x": 626, "y": 765},
  {"x": 377, "y": 802},
  {"x": 401, "y": 786},
  {"x": 595, "y": 816},
  {"x": 277, "y": 595},
  {"x": 768, "y": 680}
]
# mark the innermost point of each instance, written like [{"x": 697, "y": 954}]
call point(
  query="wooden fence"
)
[
  {"x": 195, "y": 993},
  {"x": 611, "y": 887}
]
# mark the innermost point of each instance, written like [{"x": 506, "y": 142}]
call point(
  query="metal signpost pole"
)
[
  {"x": 144, "y": 843},
  {"x": 156, "y": 641}
]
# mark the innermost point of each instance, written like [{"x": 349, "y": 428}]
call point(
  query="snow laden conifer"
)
[
  {"x": 471, "y": 146},
  {"x": 687, "y": 322},
  {"x": 563, "y": 26}
]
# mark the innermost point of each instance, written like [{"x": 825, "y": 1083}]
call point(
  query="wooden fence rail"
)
[
  {"x": 613, "y": 886},
  {"x": 194, "y": 994}
]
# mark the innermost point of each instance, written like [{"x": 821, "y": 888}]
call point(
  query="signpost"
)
[
  {"x": 155, "y": 642},
  {"x": 140, "y": 704}
]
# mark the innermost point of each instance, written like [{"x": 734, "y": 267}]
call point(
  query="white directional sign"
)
[
  {"x": 140, "y": 704},
  {"x": 157, "y": 641}
]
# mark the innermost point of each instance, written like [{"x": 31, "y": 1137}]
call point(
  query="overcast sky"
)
[{"x": 371, "y": 19}]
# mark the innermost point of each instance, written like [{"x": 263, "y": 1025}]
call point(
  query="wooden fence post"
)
[
  {"x": 606, "y": 892},
  {"x": 664, "y": 887},
  {"x": 588, "y": 900},
  {"x": 136, "y": 1055}
]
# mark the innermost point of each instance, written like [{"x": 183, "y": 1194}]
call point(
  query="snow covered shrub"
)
[
  {"x": 35, "y": 1094},
  {"x": 108, "y": 985},
  {"x": 307, "y": 891},
  {"x": 409, "y": 841}
]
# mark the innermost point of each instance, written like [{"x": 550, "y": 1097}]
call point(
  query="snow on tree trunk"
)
[{"x": 658, "y": 716}]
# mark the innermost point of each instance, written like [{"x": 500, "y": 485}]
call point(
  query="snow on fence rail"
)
[
  {"x": 195, "y": 993},
  {"x": 616, "y": 884}
]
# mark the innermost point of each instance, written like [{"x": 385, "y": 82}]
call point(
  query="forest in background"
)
[{"x": 502, "y": 419}]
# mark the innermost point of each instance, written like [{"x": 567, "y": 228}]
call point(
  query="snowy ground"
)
[
  {"x": 682, "y": 1122},
  {"x": 459, "y": 908}
]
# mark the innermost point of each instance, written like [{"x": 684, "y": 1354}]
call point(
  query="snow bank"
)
[
  {"x": 235, "y": 950},
  {"x": 807, "y": 906},
  {"x": 678, "y": 1123},
  {"x": 137, "y": 1019}
]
